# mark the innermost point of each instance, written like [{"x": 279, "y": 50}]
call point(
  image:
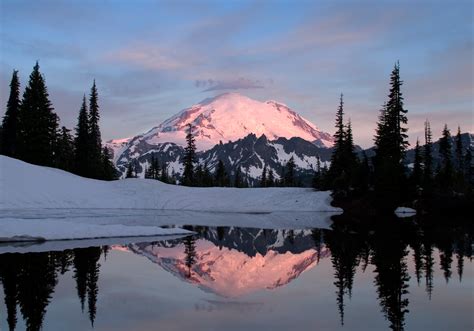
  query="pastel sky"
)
[{"x": 153, "y": 58}]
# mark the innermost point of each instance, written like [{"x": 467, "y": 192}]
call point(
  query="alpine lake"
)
[{"x": 406, "y": 275}]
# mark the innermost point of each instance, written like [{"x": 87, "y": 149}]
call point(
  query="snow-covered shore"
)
[
  {"x": 23, "y": 186},
  {"x": 46, "y": 229},
  {"x": 40, "y": 203}
]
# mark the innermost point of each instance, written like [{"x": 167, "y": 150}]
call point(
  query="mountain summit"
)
[{"x": 231, "y": 116}]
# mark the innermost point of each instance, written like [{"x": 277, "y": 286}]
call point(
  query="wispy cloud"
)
[{"x": 236, "y": 84}]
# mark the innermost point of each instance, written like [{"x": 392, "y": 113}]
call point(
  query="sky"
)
[{"x": 151, "y": 59}]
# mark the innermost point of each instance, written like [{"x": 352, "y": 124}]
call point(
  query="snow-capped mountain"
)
[
  {"x": 222, "y": 127},
  {"x": 231, "y": 116},
  {"x": 233, "y": 262}
]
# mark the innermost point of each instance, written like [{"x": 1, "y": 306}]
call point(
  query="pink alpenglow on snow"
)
[{"x": 229, "y": 117}]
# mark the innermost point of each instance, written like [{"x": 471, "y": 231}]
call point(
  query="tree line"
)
[
  {"x": 200, "y": 175},
  {"x": 30, "y": 131},
  {"x": 385, "y": 177}
]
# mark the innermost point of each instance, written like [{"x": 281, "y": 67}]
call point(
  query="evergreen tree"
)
[
  {"x": 38, "y": 123},
  {"x": 108, "y": 169},
  {"x": 263, "y": 180},
  {"x": 238, "y": 178},
  {"x": 289, "y": 178},
  {"x": 337, "y": 157},
  {"x": 459, "y": 152},
  {"x": 9, "y": 133},
  {"x": 445, "y": 173},
  {"x": 206, "y": 176},
  {"x": 189, "y": 158},
  {"x": 198, "y": 176},
  {"x": 390, "y": 146},
  {"x": 350, "y": 156},
  {"x": 81, "y": 142},
  {"x": 130, "y": 171},
  {"x": 65, "y": 150},
  {"x": 95, "y": 141},
  {"x": 220, "y": 175},
  {"x": 164, "y": 174},
  {"x": 271, "y": 179},
  {"x": 428, "y": 161},
  {"x": 153, "y": 171},
  {"x": 468, "y": 169},
  {"x": 416, "y": 176}
]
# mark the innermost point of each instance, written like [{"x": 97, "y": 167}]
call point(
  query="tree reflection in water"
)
[{"x": 29, "y": 281}]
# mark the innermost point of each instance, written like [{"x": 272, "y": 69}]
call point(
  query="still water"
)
[{"x": 402, "y": 276}]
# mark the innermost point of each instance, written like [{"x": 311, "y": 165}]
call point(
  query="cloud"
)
[{"x": 237, "y": 84}]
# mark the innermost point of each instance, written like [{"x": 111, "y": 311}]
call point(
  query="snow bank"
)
[
  {"x": 43, "y": 229},
  {"x": 405, "y": 212},
  {"x": 23, "y": 185}
]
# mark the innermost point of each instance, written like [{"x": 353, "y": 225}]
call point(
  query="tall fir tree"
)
[
  {"x": 189, "y": 157},
  {"x": 337, "y": 157},
  {"x": 9, "y": 134},
  {"x": 38, "y": 123},
  {"x": 81, "y": 142},
  {"x": 95, "y": 140},
  {"x": 390, "y": 145}
]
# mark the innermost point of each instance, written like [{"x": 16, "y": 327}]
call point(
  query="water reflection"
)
[
  {"x": 29, "y": 281},
  {"x": 232, "y": 262},
  {"x": 236, "y": 262}
]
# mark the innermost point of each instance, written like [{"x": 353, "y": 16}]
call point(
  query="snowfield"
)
[
  {"x": 23, "y": 186},
  {"x": 40, "y": 203}
]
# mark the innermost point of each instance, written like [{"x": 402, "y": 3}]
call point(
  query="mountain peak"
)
[{"x": 231, "y": 116}]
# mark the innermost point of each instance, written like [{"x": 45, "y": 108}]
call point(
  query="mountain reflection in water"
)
[{"x": 233, "y": 263}]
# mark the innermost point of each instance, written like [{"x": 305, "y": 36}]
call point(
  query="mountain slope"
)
[{"x": 248, "y": 154}]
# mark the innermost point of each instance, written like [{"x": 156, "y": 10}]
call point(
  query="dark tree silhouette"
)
[
  {"x": 38, "y": 123},
  {"x": 390, "y": 146},
  {"x": 81, "y": 141},
  {"x": 9, "y": 133},
  {"x": 189, "y": 158}
]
